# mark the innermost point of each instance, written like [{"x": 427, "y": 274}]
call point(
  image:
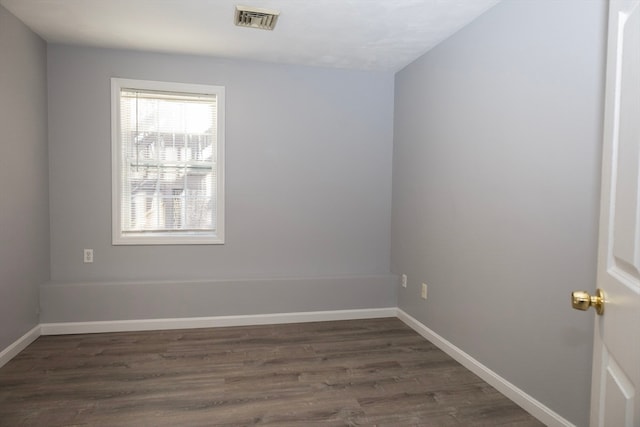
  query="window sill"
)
[{"x": 163, "y": 239}]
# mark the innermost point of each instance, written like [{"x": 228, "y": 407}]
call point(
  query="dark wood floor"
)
[{"x": 360, "y": 372}]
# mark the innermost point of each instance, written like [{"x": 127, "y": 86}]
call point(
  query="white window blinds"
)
[{"x": 169, "y": 166}]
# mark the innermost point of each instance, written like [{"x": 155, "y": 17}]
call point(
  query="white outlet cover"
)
[
  {"x": 404, "y": 280},
  {"x": 424, "y": 291}
]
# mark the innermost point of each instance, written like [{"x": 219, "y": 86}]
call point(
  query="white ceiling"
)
[{"x": 359, "y": 34}]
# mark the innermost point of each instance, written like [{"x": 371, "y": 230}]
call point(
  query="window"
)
[{"x": 167, "y": 163}]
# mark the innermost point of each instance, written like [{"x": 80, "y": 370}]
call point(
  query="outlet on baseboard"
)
[
  {"x": 404, "y": 280},
  {"x": 423, "y": 291}
]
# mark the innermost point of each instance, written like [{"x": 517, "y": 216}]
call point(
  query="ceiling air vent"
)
[{"x": 254, "y": 17}]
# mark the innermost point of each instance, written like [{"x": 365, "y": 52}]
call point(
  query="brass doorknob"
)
[{"x": 581, "y": 300}]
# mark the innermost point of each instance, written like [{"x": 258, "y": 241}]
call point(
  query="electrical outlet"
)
[
  {"x": 423, "y": 292},
  {"x": 88, "y": 256},
  {"x": 404, "y": 280}
]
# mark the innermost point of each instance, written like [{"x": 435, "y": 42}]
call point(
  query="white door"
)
[{"x": 615, "y": 394}]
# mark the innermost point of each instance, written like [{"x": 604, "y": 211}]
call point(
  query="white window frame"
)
[{"x": 164, "y": 238}]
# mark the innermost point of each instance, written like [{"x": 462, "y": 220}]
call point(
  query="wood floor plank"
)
[{"x": 343, "y": 373}]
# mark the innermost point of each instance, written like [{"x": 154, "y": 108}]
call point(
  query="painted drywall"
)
[
  {"x": 106, "y": 301},
  {"x": 24, "y": 205},
  {"x": 308, "y": 184},
  {"x": 496, "y": 166}
]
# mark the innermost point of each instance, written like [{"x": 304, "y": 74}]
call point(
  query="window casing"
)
[{"x": 167, "y": 163}]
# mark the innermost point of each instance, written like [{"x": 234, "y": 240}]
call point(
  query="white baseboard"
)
[
  {"x": 211, "y": 322},
  {"x": 19, "y": 345},
  {"x": 528, "y": 403}
]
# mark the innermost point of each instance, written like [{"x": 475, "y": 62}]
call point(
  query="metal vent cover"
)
[{"x": 254, "y": 17}]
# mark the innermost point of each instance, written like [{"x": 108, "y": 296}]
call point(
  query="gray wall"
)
[
  {"x": 495, "y": 191},
  {"x": 308, "y": 194},
  {"x": 24, "y": 194}
]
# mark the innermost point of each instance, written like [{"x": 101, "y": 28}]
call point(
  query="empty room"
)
[{"x": 320, "y": 212}]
